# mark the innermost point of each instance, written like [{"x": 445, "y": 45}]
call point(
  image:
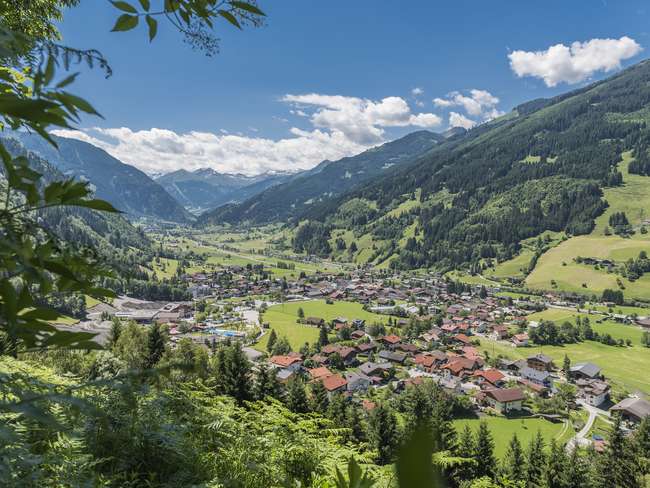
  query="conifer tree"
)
[
  {"x": 618, "y": 466},
  {"x": 319, "y": 399},
  {"x": 465, "y": 448},
  {"x": 577, "y": 471},
  {"x": 535, "y": 461},
  {"x": 297, "y": 396},
  {"x": 642, "y": 444},
  {"x": 273, "y": 337},
  {"x": 323, "y": 340},
  {"x": 116, "y": 330},
  {"x": 484, "y": 452},
  {"x": 266, "y": 383},
  {"x": 555, "y": 472},
  {"x": 355, "y": 423},
  {"x": 566, "y": 366},
  {"x": 382, "y": 433},
  {"x": 155, "y": 346},
  {"x": 513, "y": 465},
  {"x": 336, "y": 409}
]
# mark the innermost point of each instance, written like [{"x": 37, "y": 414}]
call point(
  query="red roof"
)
[
  {"x": 425, "y": 360},
  {"x": 392, "y": 339},
  {"x": 321, "y": 372},
  {"x": 334, "y": 382},
  {"x": 491, "y": 375},
  {"x": 506, "y": 395},
  {"x": 285, "y": 361},
  {"x": 462, "y": 338}
]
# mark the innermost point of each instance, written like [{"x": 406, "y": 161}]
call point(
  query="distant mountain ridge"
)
[
  {"x": 327, "y": 180},
  {"x": 205, "y": 188},
  {"x": 123, "y": 185}
]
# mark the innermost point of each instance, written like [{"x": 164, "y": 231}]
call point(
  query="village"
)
[{"x": 409, "y": 328}]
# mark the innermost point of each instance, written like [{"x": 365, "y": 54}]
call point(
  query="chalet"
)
[
  {"x": 348, "y": 354},
  {"x": 373, "y": 369},
  {"x": 540, "y": 362},
  {"x": 392, "y": 356},
  {"x": 334, "y": 383},
  {"x": 284, "y": 375},
  {"x": 430, "y": 338},
  {"x": 499, "y": 332},
  {"x": 407, "y": 348},
  {"x": 319, "y": 373},
  {"x": 585, "y": 371},
  {"x": 461, "y": 339},
  {"x": 316, "y": 321},
  {"x": 536, "y": 376},
  {"x": 366, "y": 347},
  {"x": 489, "y": 378},
  {"x": 520, "y": 340},
  {"x": 357, "y": 334},
  {"x": 633, "y": 409},
  {"x": 512, "y": 366},
  {"x": 292, "y": 363},
  {"x": 505, "y": 400},
  {"x": 459, "y": 367},
  {"x": 644, "y": 322},
  {"x": 357, "y": 381},
  {"x": 593, "y": 392},
  {"x": 390, "y": 341}
]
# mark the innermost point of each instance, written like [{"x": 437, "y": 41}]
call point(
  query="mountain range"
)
[{"x": 205, "y": 188}]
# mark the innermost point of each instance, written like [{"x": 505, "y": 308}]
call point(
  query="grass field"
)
[
  {"x": 166, "y": 268},
  {"x": 503, "y": 428},
  {"x": 514, "y": 267},
  {"x": 557, "y": 264},
  {"x": 283, "y": 318},
  {"x": 467, "y": 278},
  {"x": 626, "y": 366}
]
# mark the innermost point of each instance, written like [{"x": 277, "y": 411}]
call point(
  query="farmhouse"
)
[
  {"x": 634, "y": 409},
  {"x": 505, "y": 400}
]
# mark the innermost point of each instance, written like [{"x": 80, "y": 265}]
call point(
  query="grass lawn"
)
[
  {"x": 467, "y": 278},
  {"x": 503, "y": 428},
  {"x": 283, "y": 318},
  {"x": 166, "y": 268},
  {"x": 557, "y": 264},
  {"x": 626, "y": 366},
  {"x": 64, "y": 320},
  {"x": 512, "y": 268},
  {"x": 90, "y": 301}
]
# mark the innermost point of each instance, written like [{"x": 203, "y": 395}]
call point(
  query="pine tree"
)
[
  {"x": 513, "y": 465},
  {"x": 642, "y": 443},
  {"x": 266, "y": 383},
  {"x": 301, "y": 313},
  {"x": 577, "y": 470},
  {"x": 566, "y": 366},
  {"x": 484, "y": 452},
  {"x": 233, "y": 372},
  {"x": 382, "y": 433},
  {"x": 355, "y": 423},
  {"x": 535, "y": 461},
  {"x": 273, "y": 337},
  {"x": 555, "y": 472},
  {"x": 618, "y": 466},
  {"x": 319, "y": 399},
  {"x": 155, "y": 346},
  {"x": 336, "y": 410},
  {"x": 465, "y": 448},
  {"x": 297, "y": 396},
  {"x": 323, "y": 340},
  {"x": 116, "y": 330}
]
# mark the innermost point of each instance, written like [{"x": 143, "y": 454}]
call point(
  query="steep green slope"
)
[
  {"x": 323, "y": 183},
  {"x": 541, "y": 168},
  {"x": 126, "y": 187}
]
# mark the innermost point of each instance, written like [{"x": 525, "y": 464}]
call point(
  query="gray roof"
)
[
  {"x": 588, "y": 369},
  {"x": 370, "y": 367},
  {"x": 534, "y": 374},
  {"x": 638, "y": 407}
]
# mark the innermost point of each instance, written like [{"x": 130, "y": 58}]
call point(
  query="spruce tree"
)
[
  {"x": 513, "y": 465},
  {"x": 642, "y": 444},
  {"x": 555, "y": 475},
  {"x": 297, "y": 396},
  {"x": 336, "y": 410},
  {"x": 577, "y": 473},
  {"x": 116, "y": 330},
  {"x": 619, "y": 466},
  {"x": 355, "y": 423},
  {"x": 566, "y": 366},
  {"x": 535, "y": 461},
  {"x": 273, "y": 337},
  {"x": 484, "y": 452},
  {"x": 382, "y": 433},
  {"x": 319, "y": 399},
  {"x": 266, "y": 384},
  {"x": 465, "y": 448},
  {"x": 323, "y": 340},
  {"x": 238, "y": 370},
  {"x": 155, "y": 345}
]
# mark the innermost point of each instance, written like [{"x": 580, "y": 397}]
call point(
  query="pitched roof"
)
[
  {"x": 588, "y": 369},
  {"x": 638, "y": 407},
  {"x": 490, "y": 375},
  {"x": 284, "y": 361},
  {"x": 505, "y": 395},
  {"x": 320, "y": 372},
  {"x": 334, "y": 382},
  {"x": 391, "y": 339}
]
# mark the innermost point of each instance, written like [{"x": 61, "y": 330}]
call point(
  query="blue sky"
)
[{"x": 247, "y": 109}]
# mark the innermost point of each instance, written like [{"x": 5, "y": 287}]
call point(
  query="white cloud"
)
[
  {"x": 341, "y": 126},
  {"x": 361, "y": 120},
  {"x": 417, "y": 91},
  {"x": 477, "y": 103},
  {"x": 161, "y": 150},
  {"x": 459, "y": 120},
  {"x": 575, "y": 63}
]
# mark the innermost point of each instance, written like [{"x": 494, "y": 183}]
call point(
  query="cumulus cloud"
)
[
  {"x": 574, "y": 63},
  {"x": 417, "y": 91},
  {"x": 340, "y": 126},
  {"x": 160, "y": 150},
  {"x": 476, "y": 103},
  {"x": 459, "y": 120},
  {"x": 361, "y": 120}
]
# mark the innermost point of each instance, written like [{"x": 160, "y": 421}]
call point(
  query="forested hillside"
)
[
  {"x": 125, "y": 186},
  {"x": 324, "y": 182},
  {"x": 542, "y": 167}
]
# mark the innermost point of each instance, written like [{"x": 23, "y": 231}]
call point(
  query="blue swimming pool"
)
[{"x": 224, "y": 332}]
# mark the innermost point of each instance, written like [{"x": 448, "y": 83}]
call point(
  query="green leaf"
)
[
  {"x": 125, "y": 22},
  {"x": 124, "y": 6},
  {"x": 145, "y": 5},
  {"x": 248, "y": 7},
  {"x": 66, "y": 81},
  {"x": 95, "y": 204},
  {"x": 230, "y": 18},
  {"x": 153, "y": 27}
]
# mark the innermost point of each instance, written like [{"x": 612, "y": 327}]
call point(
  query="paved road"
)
[{"x": 581, "y": 438}]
